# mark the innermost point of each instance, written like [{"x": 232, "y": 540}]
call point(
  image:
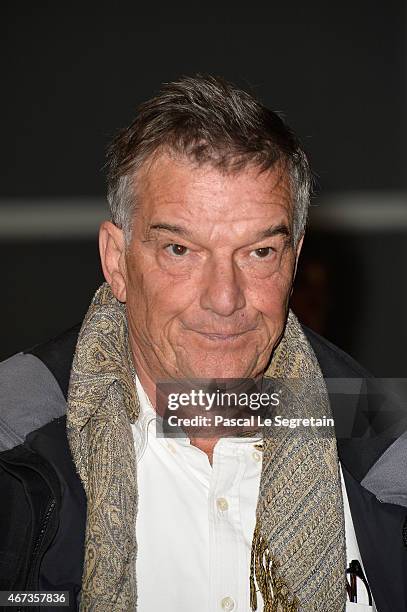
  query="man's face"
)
[{"x": 209, "y": 269}]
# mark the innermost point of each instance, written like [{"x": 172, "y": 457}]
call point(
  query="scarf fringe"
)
[{"x": 263, "y": 570}]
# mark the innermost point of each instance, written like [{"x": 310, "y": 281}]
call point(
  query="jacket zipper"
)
[{"x": 31, "y": 584}]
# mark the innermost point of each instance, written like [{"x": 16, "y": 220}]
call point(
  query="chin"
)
[{"x": 218, "y": 369}]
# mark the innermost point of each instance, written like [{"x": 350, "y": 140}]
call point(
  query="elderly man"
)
[{"x": 208, "y": 192}]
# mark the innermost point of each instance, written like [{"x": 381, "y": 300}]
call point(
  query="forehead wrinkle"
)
[
  {"x": 189, "y": 205},
  {"x": 147, "y": 176},
  {"x": 274, "y": 230}
]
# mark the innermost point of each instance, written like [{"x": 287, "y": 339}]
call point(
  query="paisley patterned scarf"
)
[{"x": 298, "y": 551}]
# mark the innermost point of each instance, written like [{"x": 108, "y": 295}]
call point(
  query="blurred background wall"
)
[{"x": 338, "y": 71}]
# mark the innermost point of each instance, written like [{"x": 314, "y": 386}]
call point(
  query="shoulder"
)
[
  {"x": 333, "y": 361},
  {"x": 369, "y": 421},
  {"x": 33, "y": 387}
]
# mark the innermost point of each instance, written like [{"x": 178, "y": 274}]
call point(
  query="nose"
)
[{"x": 222, "y": 289}]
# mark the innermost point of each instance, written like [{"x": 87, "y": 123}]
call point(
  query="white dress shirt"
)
[{"x": 195, "y": 521}]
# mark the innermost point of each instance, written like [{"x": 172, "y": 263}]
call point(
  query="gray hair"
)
[{"x": 208, "y": 120}]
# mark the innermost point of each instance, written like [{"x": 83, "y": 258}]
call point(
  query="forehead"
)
[{"x": 178, "y": 188}]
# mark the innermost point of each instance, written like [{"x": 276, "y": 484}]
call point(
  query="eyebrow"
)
[
  {"x": 167, "y": 227},
  {"x": 273, "y": 230}
]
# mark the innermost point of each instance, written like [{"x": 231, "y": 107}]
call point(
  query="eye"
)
[
  {"x": 176, "y": 249},
  {"x": 262, "y": 253}
]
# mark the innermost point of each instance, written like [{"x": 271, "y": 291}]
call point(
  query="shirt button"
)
[
  {"x": 227, "y": 603},
  {"x": 223, "y": 505},
  {"x": 256, "y": 456}
]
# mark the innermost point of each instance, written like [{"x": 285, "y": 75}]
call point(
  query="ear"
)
[
  {"x": 297, "y": 256},
  {"x": 112, "y": 256}
]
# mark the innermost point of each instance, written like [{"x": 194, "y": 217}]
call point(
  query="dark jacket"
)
[{"x": 43, "y": 504}]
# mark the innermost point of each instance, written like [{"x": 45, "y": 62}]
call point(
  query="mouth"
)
[{"x": 222, "y": 337}]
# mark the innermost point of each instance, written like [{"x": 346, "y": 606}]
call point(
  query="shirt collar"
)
[{"x": 150, "y": 423}]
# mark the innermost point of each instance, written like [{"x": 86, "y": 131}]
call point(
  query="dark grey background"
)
[{"x": 72, "y": 75}]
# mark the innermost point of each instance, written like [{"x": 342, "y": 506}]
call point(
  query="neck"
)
[
  {"x": 206, "y": 445},
  {"x": 150, "y": 388}
]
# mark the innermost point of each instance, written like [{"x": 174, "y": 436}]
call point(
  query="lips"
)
[{"x": 219, "y": 337}]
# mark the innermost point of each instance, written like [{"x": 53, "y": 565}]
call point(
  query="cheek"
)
[
  {"x": 154, "y": 296},
  {"x": 270, "y": 297}
]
